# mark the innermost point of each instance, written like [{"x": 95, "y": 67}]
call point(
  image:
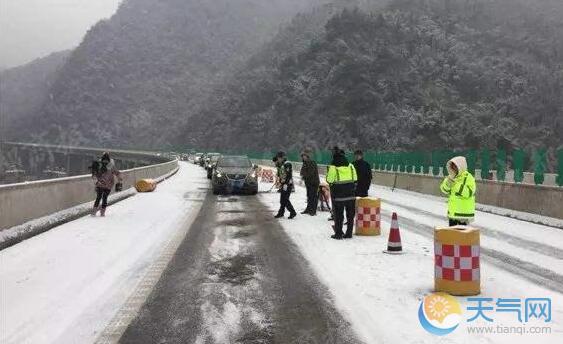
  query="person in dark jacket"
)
[
  {"x": 285, "y": 184},
  {"x": 342, "y": 179},
  {"x": 104, "y": 174},
  {"x": 310, "y": 175},
  {"x": 363, "y": 169}
]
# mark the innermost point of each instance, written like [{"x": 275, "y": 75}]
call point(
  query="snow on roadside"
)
[
  {"x": 548, "y": 258},
  {"x": 485, "y": 213},
  {"x": 16, "y": 234},
  {"x": 380, "y": 294},
  {"x": 494, "y": 226},
  {"x": 65, "y": 285}
]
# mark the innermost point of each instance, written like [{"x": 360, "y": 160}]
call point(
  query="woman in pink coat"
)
[{"x": 105, "y": 175}]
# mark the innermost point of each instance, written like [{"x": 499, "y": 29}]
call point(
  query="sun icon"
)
[
  {"x": 439, "y": 313},
  {"x": 439, "y": 307}
]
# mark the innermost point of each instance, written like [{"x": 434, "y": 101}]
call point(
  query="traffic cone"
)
[{"x": 394, "y": 243}]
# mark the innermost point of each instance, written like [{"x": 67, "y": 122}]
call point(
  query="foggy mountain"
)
[
  {"x": 415, "y": 75},
  {"x": 24, "y": 89},
  {"x": 399, "y": 74},
  {"x": 135, "y": 78}
]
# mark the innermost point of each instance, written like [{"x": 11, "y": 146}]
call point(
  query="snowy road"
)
[
  {"x": 526, "y": 249},
  {"x": 237, "y": 278},
  {"x": 183, "y": 266},
  {"x": 65, "y": 285},
  {"x": 379, "y": 294}
]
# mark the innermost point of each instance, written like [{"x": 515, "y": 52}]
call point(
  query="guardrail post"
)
[
  {"x": 395, "y": 161},
  {"x": 426, "y": 161},
  {"x": 560, "y": 167},
  {"x": 518, "y": 158},
  {"x": 485, "y": 164},
  {"x": 402, "y": 161},
  {"x": 471, "y": 158},
  {"x": 539, "y": 166},
  {"x": 435, "y": 163},
  {"x": 501, "y": 165}
]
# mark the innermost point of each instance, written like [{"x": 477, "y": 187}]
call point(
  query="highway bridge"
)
[{"x": 181, "y": 265}]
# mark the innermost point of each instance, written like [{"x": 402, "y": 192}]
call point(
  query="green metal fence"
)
[
  {"x": 518, "y": 160},
  {"x": 560, "y": 167},
  {"x": 434, "y": 162}
]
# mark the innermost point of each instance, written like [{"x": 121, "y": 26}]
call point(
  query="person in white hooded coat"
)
[{"x": 460, "y": 187}]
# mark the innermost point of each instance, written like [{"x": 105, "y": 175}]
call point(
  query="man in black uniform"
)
[
  {"x": 363, "y": 169},
  {"x": 286, "y": 185}
]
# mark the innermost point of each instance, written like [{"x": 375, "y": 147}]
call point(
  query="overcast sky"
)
[{"x": 35, "y": 28}]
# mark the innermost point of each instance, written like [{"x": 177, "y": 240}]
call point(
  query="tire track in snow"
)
[
  {"x": 238, "y": 278},
  {"x": 232, "y": 287},
  {"x": 115, "y": 329}
]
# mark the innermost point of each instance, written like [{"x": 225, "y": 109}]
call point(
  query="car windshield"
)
[
  {"x": 234, "y": 161},
  {"x": 214, "y": 158}
]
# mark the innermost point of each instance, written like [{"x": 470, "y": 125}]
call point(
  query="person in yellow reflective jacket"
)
[
  {"x": 460, "y": 188},
  {"x": 342, "y": 179}
]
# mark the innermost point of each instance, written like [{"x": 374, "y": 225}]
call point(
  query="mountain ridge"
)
[{"x": 406, "y": 77}]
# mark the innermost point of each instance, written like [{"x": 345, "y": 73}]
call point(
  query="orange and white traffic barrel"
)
[
  {"x": 456, "y": 260},
  {"x": 368, "y": 216}
]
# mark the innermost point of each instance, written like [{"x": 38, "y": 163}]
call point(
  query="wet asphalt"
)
[{"x": 238, "y": 278}]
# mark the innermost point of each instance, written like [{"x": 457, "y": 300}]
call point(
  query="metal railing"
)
[{"x": 517, "y": 166}]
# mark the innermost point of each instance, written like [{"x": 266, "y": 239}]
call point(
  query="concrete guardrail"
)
[
  {"x": 24, "y": 202},
  {"x": 536, "y": 199}
]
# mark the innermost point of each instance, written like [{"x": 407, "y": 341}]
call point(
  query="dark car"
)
[{"x": 234, "y": 174}]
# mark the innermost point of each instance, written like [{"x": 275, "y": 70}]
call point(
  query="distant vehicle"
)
[
  {"x": 207, "y": 164},
  {"x": 197, "y": 158},
  {"x": 211, "y": 164},
  {"x": 203, "y": 159},
  {"x": 234, "y": 174}
]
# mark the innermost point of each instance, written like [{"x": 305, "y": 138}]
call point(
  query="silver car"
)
[{"x": 234, "y": 174}]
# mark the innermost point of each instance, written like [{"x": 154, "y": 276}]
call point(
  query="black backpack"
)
[{"x": 95, "y": 167}]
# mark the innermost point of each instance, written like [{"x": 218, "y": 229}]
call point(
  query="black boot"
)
[
  {"x": 292, "y": 216},
  {"x": 278, "y": 215},
  {"x": 349, "y": 232},
  {"x": 337, "y": 237}
]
